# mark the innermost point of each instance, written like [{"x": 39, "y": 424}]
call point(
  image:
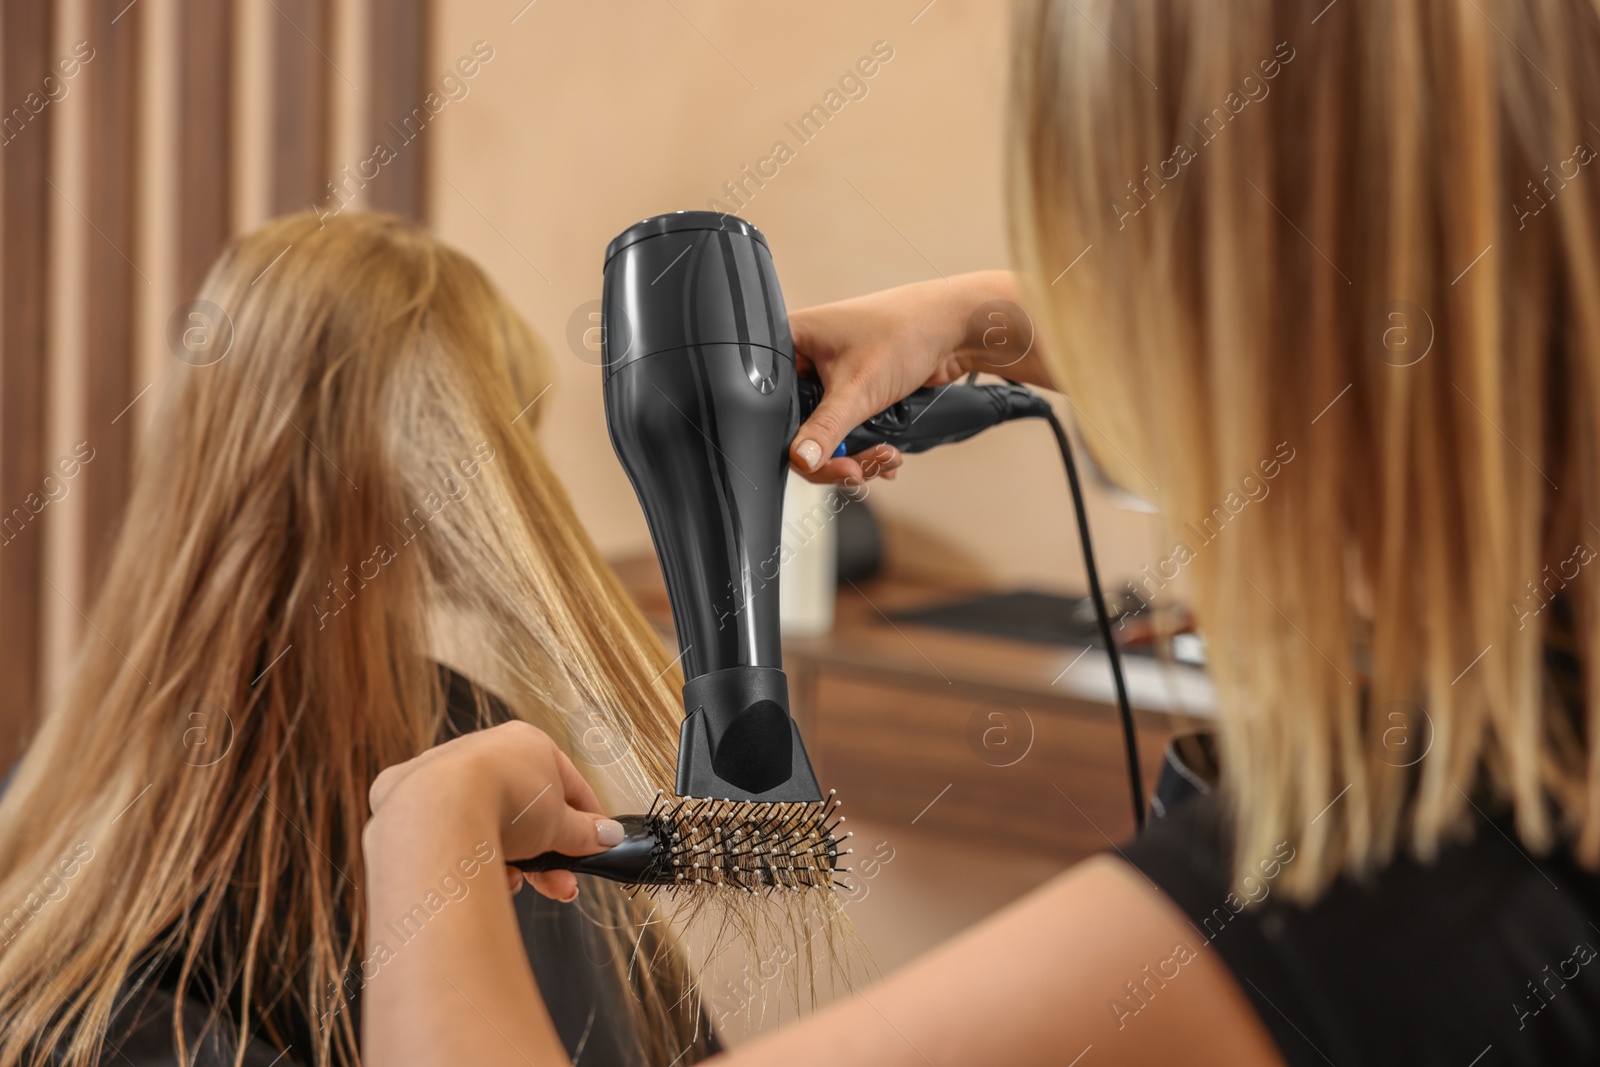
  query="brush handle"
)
[
  {"x": 549, "y": 861},
  {"x": 636, "y": 861}
]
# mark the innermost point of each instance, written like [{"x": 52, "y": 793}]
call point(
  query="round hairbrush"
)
[{"x": 685, "y": 843}]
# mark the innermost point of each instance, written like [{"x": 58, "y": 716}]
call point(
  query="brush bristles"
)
[{"x": 744, "y": 845}]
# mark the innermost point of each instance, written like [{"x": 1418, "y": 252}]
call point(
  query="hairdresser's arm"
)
[
  {"x": 1037, "y": 986},
  {"x": 461, "y": 990},
  {"x": 1032, "y": 986},
  {"x": 873, "y": 350}
]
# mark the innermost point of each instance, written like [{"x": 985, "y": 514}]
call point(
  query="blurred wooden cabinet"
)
[{"x": 969, "y": 762}]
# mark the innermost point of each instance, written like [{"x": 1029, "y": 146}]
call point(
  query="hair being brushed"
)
[{"x": 355, "y": 467}]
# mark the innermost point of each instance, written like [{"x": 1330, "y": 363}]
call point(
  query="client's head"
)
[{"x": 338, "y": 488}]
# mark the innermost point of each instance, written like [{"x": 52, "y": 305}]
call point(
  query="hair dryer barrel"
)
[{"x": 701, "y": 404}]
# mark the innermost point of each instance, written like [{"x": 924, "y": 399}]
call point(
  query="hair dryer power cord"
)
[{"x": 1130, "y": 739}]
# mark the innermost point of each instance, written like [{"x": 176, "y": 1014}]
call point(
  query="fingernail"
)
[
  {"x": 570, "y": 899},
  {"x": 608, "y": 832},
  {"x": 810, "y": 454}
]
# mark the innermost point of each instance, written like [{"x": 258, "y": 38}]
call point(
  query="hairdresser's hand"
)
[
  {"x": 873, "y": 350},
  {"x": 510, "y": 780}
]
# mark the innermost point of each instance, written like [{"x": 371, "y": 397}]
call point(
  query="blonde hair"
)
[
  {"x": 357, "y": 455},
  {"x": 1360, "y": 238}
]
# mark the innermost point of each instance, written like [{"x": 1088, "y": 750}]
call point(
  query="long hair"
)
[
  {"x": 353, "y": 461},
  {"x": 1346, "y": 255}
]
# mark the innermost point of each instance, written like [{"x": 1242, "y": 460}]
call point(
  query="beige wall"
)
[{"x": 593, "y": 115}]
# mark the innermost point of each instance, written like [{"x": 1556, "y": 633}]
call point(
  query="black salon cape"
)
[{"x": 571, "y": 962}]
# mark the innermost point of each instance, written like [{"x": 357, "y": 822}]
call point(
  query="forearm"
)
[
  {"x": 453, "y": 987},
  {"x": 1037, "y": 985},
  {"x": 997, "y": 335}
]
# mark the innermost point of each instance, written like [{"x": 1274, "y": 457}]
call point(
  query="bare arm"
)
[
  {"x": 1034, "y": 984},
  {"x": 461, "y": 990}
]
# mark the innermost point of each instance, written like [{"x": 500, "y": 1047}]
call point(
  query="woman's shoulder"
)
[{"x": 1485, "y": 946}]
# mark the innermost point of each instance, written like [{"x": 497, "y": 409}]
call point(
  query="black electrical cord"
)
[
  {"x": 1012, "y": 401},
  {"x": 1130, "y": 739}
]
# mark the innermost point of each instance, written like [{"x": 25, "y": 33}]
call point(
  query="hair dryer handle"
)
[{"x": 935, "y": 415}]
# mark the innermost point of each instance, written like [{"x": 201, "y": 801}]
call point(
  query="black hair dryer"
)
[
  {"x": 701, "y": 405},
  {"x": 701, "y": 402}
]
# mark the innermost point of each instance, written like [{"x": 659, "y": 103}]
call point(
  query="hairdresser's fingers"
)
[
  {"x": 391, "y": 777},
  {"x": 557, "y": 885},
  {"x": 579, "y": 793},
  {"x": 379, "y": 790},
  {"x": 848, "y": 400},
  {"x": 384, "y": 785},
  {"x": 858, "y": 468},
  {"x": 580, "y": 833},
  {"x": 841, "y": 470},
  {"x": 879, "y": 459},
  {"x": 815, "y": 333},
  {"x": 513, "y": 880}
]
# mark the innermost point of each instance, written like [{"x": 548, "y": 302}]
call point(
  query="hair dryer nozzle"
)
[{"x": 738, "y": 741}]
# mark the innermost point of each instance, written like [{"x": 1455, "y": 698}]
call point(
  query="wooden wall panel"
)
[
  {"x": 124, "y": 244},
  {"x": 26, "y": 38},
  {"x": 302, "y": 42},
  {"x": 399, "y": 84},
  {"x": 205, "y": 137},
  {"x": 111, "y": 86}
]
